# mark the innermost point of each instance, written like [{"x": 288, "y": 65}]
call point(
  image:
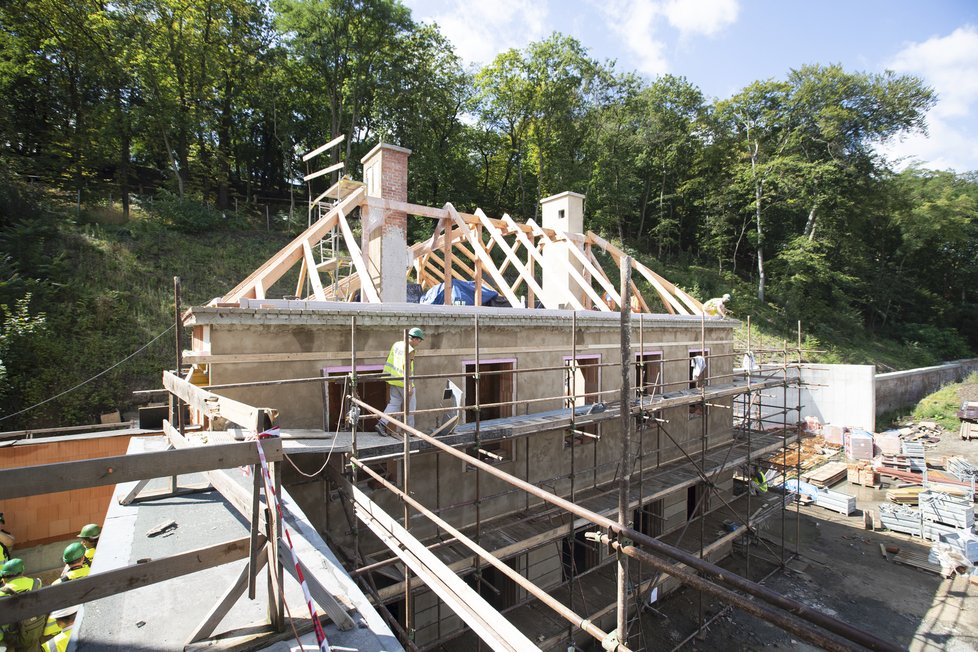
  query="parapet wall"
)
[{"x": 901, "y": 389}]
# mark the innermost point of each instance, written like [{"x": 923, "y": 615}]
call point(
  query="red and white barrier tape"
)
[{"x": 320, "y": 635}]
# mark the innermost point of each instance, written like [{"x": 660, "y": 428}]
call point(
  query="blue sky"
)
[{"x": 723, "y": 45}]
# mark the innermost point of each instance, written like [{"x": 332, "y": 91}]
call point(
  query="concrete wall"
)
[
  {"x": 60, "y": 515},
  {"x": 901, "y": 389},
  {"x": 835, "y": 393}
]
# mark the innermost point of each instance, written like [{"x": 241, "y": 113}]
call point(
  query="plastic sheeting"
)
[{"x": 463, "y": 294}]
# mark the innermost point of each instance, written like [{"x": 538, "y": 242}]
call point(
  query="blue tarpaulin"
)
[{"x": 463, "y": 293}]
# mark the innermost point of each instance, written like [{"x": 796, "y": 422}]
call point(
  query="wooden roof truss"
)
[{"x": 501, "y": 254}]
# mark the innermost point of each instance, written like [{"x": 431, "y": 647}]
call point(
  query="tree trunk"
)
[
  {"x": 758, "y": 188},
  {"x": 810, "y": 224},
  {"x": 123, "y": 174}
]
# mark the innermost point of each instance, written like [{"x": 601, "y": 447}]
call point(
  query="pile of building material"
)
[
  {"x": 826, "y": 475},
  {"x": 863, "y": 473},
  {"x": 939, "y": 514},
  {"x": 951, "y": 510},
  {"x": 901, "y": 518},
  {"x": 906, "y": 495},
  {"x": 836, "y": 501},
  {"x": 961, "y": 469},
  {"x": 969, "y": 420}
]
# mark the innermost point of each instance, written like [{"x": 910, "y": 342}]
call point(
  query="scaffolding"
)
[{"x": 769, "y": 368}]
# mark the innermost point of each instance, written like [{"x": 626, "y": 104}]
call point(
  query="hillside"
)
[{"x": 101, "y": 288}]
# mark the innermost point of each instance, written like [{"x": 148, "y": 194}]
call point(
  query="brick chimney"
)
[
  {"x": 384, "y": 238},
  {"x": 562, "y": 212}
]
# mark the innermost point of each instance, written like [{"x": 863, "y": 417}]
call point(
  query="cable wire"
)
[{"x": 85, "y": 382}]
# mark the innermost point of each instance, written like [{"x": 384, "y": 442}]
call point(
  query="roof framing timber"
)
[{"x": 463, "y": 247}]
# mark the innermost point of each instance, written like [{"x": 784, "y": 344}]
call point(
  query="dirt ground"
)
[{"x": 838, "y": 570}]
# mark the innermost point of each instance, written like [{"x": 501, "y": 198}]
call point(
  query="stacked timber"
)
[
  {"x": 826, "y": 475},
  {"x": 904, "y": 495},
  {"x": 836, "y": 501}
]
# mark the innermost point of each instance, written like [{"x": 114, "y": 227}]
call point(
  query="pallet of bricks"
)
[{"x": 862, "y": 473}]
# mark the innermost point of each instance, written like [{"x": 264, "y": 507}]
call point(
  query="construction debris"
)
[{"x": 162, "y": 528}]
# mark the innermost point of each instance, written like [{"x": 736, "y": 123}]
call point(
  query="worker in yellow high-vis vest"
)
[
  {"x": 65, "y": 619},
  {"x": 397, "y": 360}
]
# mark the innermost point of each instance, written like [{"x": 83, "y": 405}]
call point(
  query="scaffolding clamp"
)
[{"x": 610, "y": 642}]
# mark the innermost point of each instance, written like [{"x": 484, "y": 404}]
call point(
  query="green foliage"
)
[
  {"x": 16, "y": 326},
  {"x": 944, "y": 343},
  {"x": 185, "y": 214},
  {"x": 942, "y": 405}
]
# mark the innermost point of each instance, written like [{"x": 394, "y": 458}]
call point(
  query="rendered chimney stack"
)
[
  {"x": 384, "y": 238},
  {"x": 563, "y": 213}
]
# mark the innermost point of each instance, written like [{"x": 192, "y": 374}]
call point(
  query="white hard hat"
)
[{"x": 726, "y": 297}]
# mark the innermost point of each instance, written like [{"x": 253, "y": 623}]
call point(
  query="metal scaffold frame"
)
[{"x": 708, "y": 580}]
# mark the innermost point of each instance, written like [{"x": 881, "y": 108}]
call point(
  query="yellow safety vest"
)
[
  {"x": 73, "y": 574},
  {"x": 51, "y": 628},
  {"x": 21, "y": 584},
  {"x": 60, "y": 642},
  {"x": 90, "y": 555},
  {"x": 712, "y": 307},
  {"x": 395, "y": 364}
]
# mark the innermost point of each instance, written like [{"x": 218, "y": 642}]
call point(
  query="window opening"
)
[
  {"x": 493, "y": 388},
  {"x": 582, "y": 386}
]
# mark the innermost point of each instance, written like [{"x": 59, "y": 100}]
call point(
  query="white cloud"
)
[
  {"x": 701, "y": 17},
  {"x": 950, "y": 65},
  {"x": 481, "y": 30},
  {"x": 639, "y": 24},
  {"x": 633, "y": 21}
]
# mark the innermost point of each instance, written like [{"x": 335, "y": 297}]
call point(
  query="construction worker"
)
[
  {"x": 75, "y": 563},
  {"x": 89, "y": 537},
  {"x": 25, "y": 634},
  {"x": 6, "y": 541},
  {"x": 65, "y": 618},
  {"x": 758, "y": 481},
  {"x": 394, "y": 370},
  {"x": 716, "y": 307}
]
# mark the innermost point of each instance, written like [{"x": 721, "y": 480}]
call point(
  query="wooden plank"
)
[
  {"x": 336, "y": 612},
  {"x": 215, "y": 405},
  {"x": 101, "y": 471},
  {"x": 107, "y": 583},
  {"x": 366, "y": 281},
  {"x": 486, "y": 261},
  {"x": 445, "y": 224},
  {"x": 228, "y": 600},
  {"x": 310, "y": 266},
  {"x": 437, "y": 213},
  {"x": 322, "y": 148},
  {"x": 302, "y": 273},
  {"x": 669, "y": 292},
  {"x": 497, "y": 632},
  {"x": 603, "y": 280},
  {"x": 496, "y": 235},
  {"x": 275, "y": 267},
  {"x": 324, "y": 171}
]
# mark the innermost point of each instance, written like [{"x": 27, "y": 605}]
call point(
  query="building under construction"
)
[{"x": 583, "y": 444}]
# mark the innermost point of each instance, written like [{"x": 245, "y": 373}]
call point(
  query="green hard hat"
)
[
  {"x": 90, "y": 531},
  {"x": 73, "y": 552},
  {"x": 12, "y": 567},
  {"x": 416, "y": 332}
]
